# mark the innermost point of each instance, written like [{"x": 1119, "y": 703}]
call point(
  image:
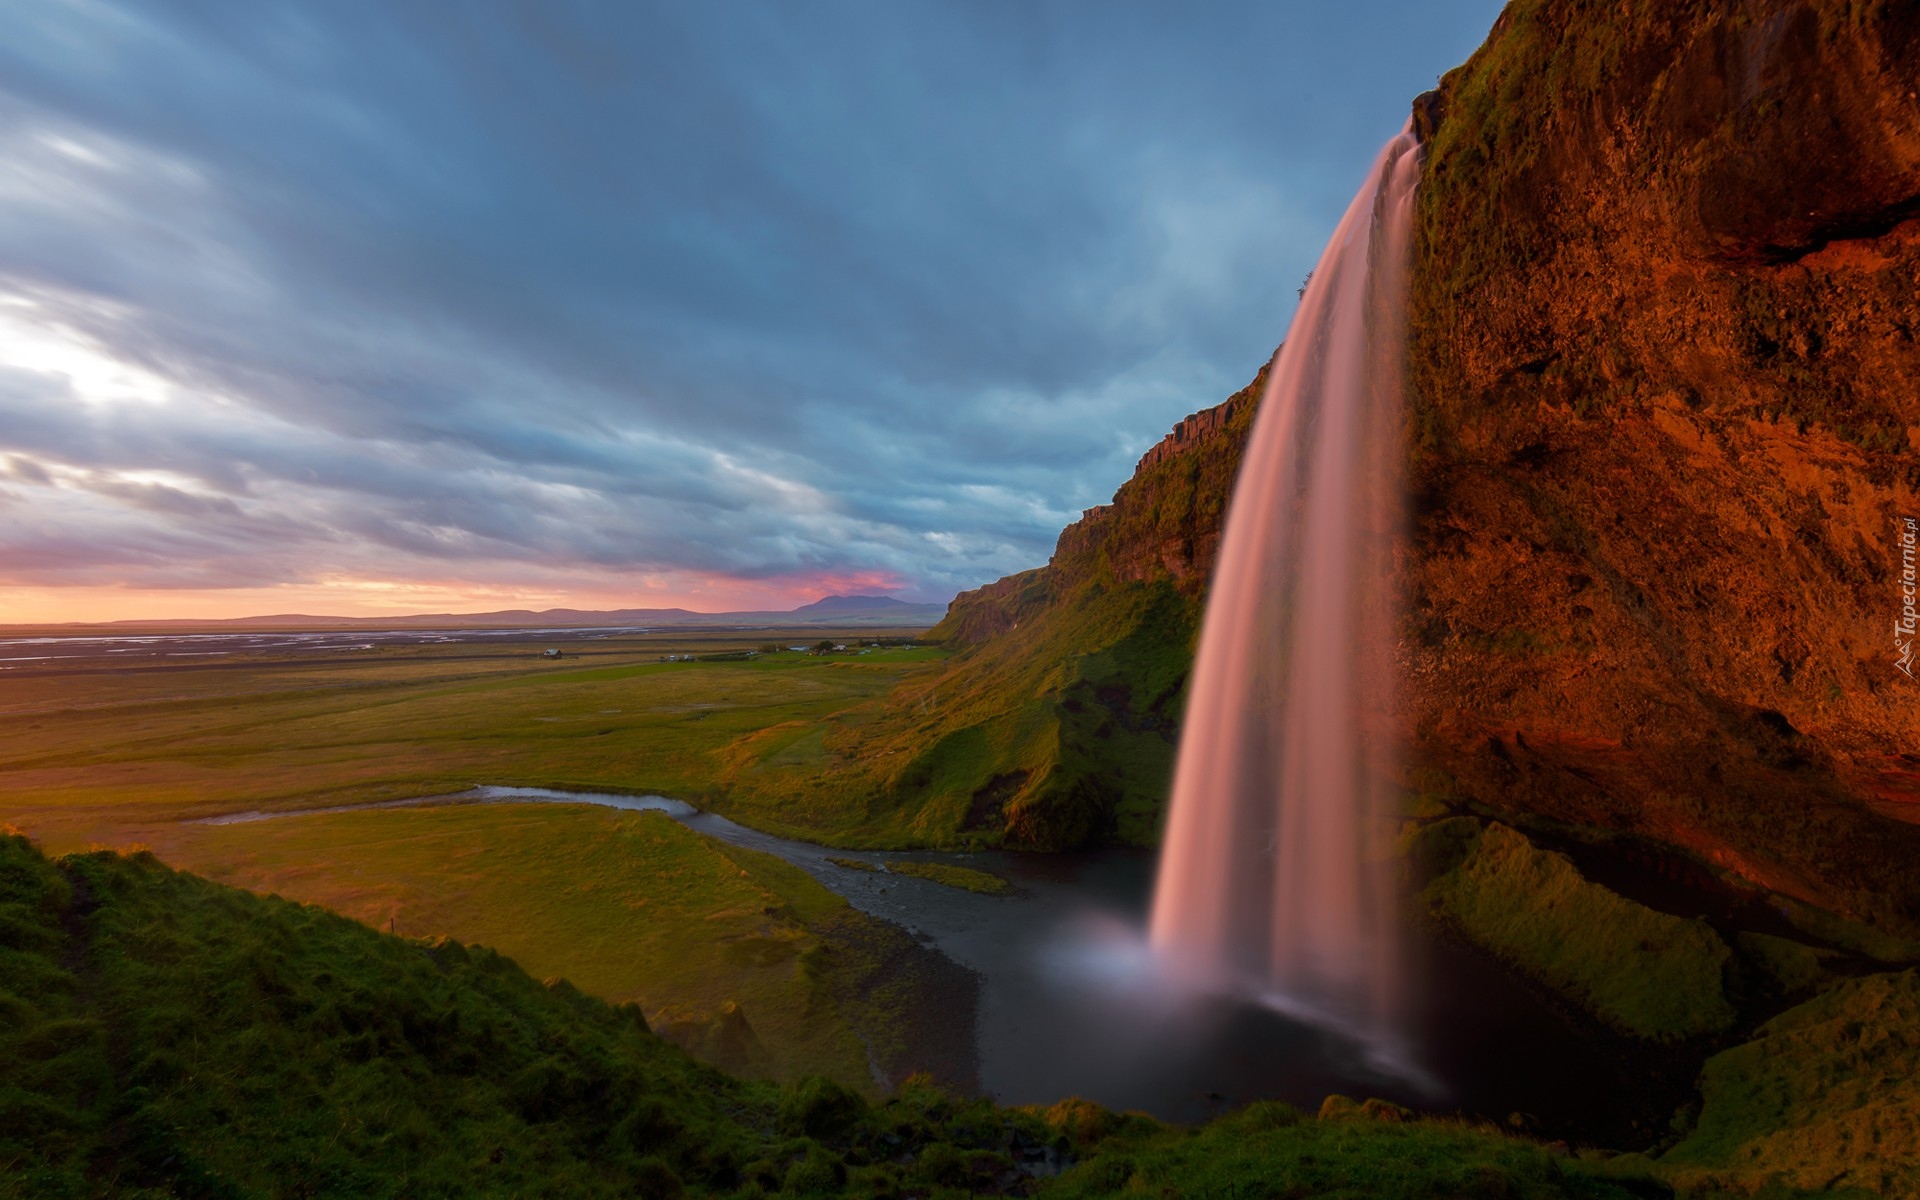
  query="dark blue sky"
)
[{"x": 356, "y": 307}]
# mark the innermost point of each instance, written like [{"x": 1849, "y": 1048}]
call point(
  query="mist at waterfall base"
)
[{"x": 1079, "y": 1003}]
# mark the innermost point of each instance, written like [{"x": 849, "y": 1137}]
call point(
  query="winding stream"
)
[{"x": 1068, "y": 1006}]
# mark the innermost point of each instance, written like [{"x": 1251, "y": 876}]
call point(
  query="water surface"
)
[{"x": 1069, "y": 1004}]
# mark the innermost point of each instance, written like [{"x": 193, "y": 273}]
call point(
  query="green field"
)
[
  {"x": 114, "y": 756},
  {"x": 737, "y": 956}
]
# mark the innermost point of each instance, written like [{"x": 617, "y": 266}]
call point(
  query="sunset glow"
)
[
  {"x": 374, "y": 598},
  {"x": 317, "y": 314}
]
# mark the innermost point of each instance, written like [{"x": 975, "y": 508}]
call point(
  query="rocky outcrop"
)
[
  {"x": 995, "y": 609},
  {"x": 1163, "y": 526},
  {"x": 1667, "y": 406},
  {"x": 1165, "y": 522}
]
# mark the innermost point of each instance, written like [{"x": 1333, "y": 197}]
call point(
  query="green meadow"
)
[
  {"x": 740, "y": 958},
  {"x": 737, "y": 956},
  {"x": 93, "y": 754}
]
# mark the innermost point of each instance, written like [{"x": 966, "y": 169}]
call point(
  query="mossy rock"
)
[
  {"x": 1850, "y": 935},
  {"x": 1794, "y": 966},
  {"x": 1826, "y": 1097},
  {"x": 1645, "y": 973},
  {"x": 1431, "y": 848}
]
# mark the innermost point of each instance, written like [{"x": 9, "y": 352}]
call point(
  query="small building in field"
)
[{"x": 550, "y": 653}]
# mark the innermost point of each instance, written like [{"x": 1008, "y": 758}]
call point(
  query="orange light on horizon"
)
[{"x": 341, "y": 597}]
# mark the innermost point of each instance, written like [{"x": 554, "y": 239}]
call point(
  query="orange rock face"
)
[{"x": 1666, "y": 364}]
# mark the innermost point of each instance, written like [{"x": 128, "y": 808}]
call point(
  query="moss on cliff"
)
[
  {"x": 1645, "y": 973},
  {"x": 1826, "y": 1098}
]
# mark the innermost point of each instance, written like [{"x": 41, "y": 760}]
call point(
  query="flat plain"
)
[
  {"x": 117, "y": 755},
  {"x": 739, "y": 956}
]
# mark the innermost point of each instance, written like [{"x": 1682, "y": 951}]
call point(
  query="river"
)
[{"x": 1069, "y": 1005}]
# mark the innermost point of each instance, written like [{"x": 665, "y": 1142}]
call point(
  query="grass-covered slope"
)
[
  {"x": 164, "y": 1036},
  {"x": 741, "y": 958},
  {"x": 1645, "y": 973},
  {"x": 1826, "y": 1097},
  {"x": 1053, "y": 724},
  {"x": 1047, "y": 736},
  {"x": 167, "y": 1036}
]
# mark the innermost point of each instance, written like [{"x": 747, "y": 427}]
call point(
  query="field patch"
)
[{"x": 724, "y": 949}]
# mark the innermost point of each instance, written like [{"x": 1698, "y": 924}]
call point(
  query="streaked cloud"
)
[{"x": 646, "y": 303}]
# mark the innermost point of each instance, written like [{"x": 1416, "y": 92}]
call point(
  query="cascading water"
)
[{"x": 1273, "y": 878}]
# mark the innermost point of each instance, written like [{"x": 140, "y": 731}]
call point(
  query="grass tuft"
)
[{"x": 984, "y": 882}]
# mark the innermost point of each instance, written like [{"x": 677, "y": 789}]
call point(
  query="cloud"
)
[{"x": 359, "y": 291}]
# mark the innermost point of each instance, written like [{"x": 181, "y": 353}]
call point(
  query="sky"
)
[{"x": 358, "y": 308}]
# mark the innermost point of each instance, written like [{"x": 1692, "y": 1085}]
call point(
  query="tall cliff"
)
[
  {"x": 1666, "y": 390},
  {"x": 1665, "y": 417},
  {"x": 1074, "y": 673}
]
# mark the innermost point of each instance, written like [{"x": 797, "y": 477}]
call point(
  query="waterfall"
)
[{"x": 1274, "y": 876}]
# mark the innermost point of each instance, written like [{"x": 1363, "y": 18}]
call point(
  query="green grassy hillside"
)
[
  {"x": 1048, "y": 736},
  {"x": 164, "y": 1036},
  {"x": 1053, "y": 724},
  {"x": 735, "y": 955}
]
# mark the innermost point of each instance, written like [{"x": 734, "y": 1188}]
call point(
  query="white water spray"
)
[{"x": 1273, "y": 878}]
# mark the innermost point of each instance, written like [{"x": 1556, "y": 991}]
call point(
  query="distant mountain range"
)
[{"x": 831, "y": 610}]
